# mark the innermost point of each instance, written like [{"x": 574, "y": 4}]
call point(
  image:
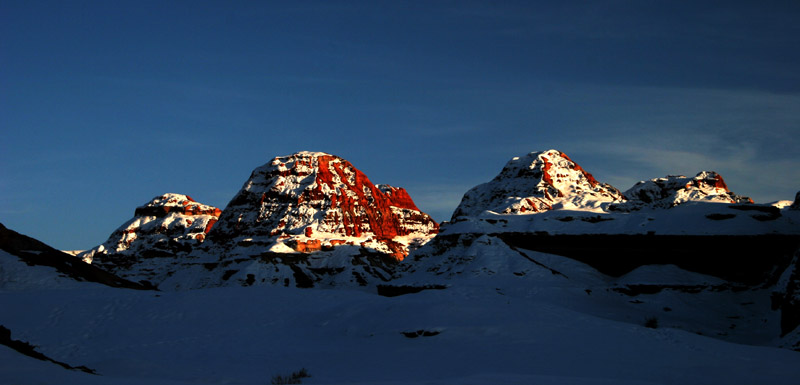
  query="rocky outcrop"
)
[
  {"x": 169, "y": 225},
  {"x": 673, "y": 190},
  {"x": 310, "y": 200},
  {"x": 796, "y": 204},
  {"x": 536, "y": 182},
  {"x": 787, "y": 297}
]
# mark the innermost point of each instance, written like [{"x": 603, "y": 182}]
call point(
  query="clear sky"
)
[{"x": 106, "y": 104}]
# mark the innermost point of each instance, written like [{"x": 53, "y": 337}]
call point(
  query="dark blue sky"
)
[{"x": 105, "y": 104}]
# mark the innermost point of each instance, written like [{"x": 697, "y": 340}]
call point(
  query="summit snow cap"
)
[{"x": 536, "y": 182}]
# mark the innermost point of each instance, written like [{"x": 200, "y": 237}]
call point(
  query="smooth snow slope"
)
[{"x": 246, "y": 335}]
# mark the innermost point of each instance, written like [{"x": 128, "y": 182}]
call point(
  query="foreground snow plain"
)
[{"x": 491, "y": 330}]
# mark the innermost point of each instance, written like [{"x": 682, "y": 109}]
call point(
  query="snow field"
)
[{"x": 246, "y": 335}]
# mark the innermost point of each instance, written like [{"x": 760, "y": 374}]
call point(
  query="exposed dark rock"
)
[{"x": 36, "y": 253}]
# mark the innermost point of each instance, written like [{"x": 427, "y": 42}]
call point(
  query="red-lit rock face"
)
[
  {"x": 538, "y": 182},
  {"x": 317, "y": 195}
]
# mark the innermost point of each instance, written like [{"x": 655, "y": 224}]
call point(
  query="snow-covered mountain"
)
[
  {"x": 670, "y": 191},
  {"x": 675, "y": 238},
  {"x": 308, "y": 219},
  {"x": 515, "y": 316},
  {"x": 161, "y": 231},
  {"x": 298, "y": 220},
  {"x": 536, "y": 182},
  {"x": 683, "y": 282},
  {"x": 308, "y": 201}
]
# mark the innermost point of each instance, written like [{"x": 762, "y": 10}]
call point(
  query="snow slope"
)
[
  {"x": 28, "y": 263},
  {"x": 522, "y": 334},
  {"x": 694, "y": 302}
]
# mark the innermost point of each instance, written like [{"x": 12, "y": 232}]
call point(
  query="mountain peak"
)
[
  {"x": 167, "y": 225},
  {"x": 309, "y": 199},
  {"x": 162, "y": 205},
  {"x": 535, "y": 182},
  {"x": 673, "y": 190}
]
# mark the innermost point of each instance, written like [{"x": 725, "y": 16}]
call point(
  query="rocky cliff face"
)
[
  {"x": 536, "y": 182},
  {"x": 311, "y": 201},
  {"x": 673, "y": 190},
  {"x": 167, "y": 226}
]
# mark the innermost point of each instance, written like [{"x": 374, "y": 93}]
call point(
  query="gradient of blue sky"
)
[{"x": 105, "y": 104}]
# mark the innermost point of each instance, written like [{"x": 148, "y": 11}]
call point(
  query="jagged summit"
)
[
  {"x": 536, "y": 182},
  {"x": 308, "y": 201},
  {"x": 673, "y": 190},
  {"x": 167, "y": 225}
]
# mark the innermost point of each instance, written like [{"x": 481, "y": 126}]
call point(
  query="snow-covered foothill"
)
[
  {"x": 27, "y": 263},
  {"x": 17, "y": 275}
]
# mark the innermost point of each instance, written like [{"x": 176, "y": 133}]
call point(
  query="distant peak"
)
[
  {"x": 535, "y": 182},
  {"x": 673, "y": 190}
]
